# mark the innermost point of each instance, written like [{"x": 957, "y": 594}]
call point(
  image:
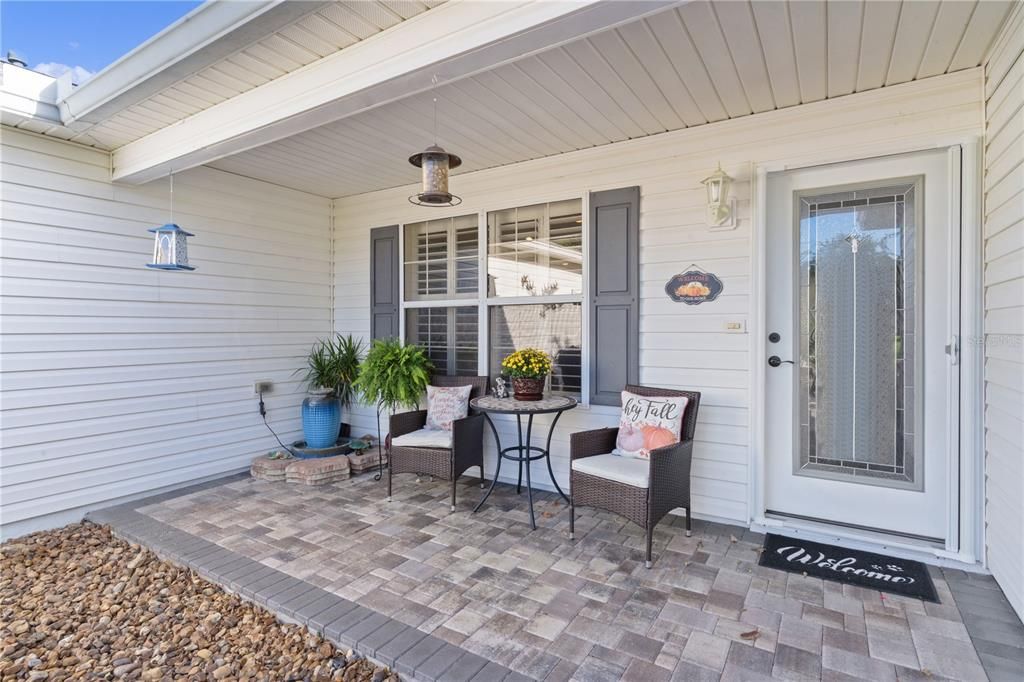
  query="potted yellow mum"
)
[{"x": 529, "y": 369}]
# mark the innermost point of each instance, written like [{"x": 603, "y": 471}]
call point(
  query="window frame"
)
[{"x": 484, "y": 303}]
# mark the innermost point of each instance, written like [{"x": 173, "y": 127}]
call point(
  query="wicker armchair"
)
[
  {"x": 445, "y": 463},
  {"x": 668, "y": 476}
]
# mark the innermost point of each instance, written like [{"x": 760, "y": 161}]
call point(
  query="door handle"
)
[
  {"x": 775, "y": 361},
  {"x": 953, "y": 350}
]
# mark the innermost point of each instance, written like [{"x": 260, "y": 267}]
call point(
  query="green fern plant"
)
[{"x": 394, "y": 375}]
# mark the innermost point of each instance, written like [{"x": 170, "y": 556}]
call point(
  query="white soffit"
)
[
  {"x": 322, "y": 29},
  {"x": 699, "y": 63}
]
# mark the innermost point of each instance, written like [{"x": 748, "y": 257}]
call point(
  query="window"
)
[
  {"x": 472, "y": 288},
  {"x": 449, "y": 335},
  {"x": 442, "y": 265},
  {"x": 536, "y": 253},
  {"x": 555, "y": 328},
  {"x": 442, "y": 259},
  {"x": 533, "y": 295},
  {"x": 536, "y": 250}
]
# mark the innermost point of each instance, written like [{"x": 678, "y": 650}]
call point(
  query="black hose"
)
[{"x": 263, "y": 413}]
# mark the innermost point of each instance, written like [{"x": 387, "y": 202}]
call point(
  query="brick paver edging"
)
[{"x": 413, "y": 654}]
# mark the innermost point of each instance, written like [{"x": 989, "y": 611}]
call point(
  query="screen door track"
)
[{"x": 813, "y": 519}]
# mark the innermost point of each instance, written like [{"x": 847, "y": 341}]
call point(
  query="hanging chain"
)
[
  {"x": 170, "y": 174},
  {"x": 434, "y": 82}
]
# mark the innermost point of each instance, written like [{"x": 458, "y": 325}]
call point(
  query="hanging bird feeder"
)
[
  {"x": 170, "y": 243},
  {"x": 436, "y": 164},
  {"x": 170, "y": 248}
]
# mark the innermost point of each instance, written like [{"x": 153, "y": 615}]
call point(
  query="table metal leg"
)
[
  {"x": 497, "y": 468},
  {"x": 529, "y": 485},
  {"x": 519, "y": 428},
  {"x": 525, "y": 452},
  {"x": 547, "y": 456}
]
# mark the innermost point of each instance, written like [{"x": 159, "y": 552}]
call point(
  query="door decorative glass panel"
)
[{"x": 857, "y": 319}]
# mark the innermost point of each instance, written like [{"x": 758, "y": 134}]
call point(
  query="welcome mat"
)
[{"x": 874, "y": 571}]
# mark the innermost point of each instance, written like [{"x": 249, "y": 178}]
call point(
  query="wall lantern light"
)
[
  {"x": 436, "y": 163},
  {"x": 721, "y": 208},
  {"x": 170, "y": 245}
]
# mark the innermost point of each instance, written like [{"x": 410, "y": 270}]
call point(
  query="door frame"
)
[{"x": 965, "y": 479}]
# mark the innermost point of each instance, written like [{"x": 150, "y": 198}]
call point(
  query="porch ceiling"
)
[
  {"x": 326, "y": 28},
  {"x": 688, "y": 66}
]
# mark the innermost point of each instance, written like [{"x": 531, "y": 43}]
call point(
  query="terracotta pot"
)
[{"x": 525, "y": 388}]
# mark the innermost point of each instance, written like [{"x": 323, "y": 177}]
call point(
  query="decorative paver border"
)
[{"x": 410, "y": 652}]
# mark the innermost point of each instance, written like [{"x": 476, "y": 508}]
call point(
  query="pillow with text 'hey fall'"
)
[{"x": 648, "y": 423}]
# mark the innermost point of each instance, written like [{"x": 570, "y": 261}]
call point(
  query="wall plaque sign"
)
[{"x": 693, "y": 287}]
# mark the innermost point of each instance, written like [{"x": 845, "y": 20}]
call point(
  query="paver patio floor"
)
[{"x": 556, "y": 609}]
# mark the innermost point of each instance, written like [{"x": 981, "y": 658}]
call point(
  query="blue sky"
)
[{"x": 82, "y": 36}]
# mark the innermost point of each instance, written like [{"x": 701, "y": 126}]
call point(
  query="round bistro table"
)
[{"x": 524, "y": 451}]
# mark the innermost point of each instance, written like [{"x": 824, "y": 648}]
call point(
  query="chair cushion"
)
[
  {"x": 445, "y": 404},
  {"x": 629, "y": 470},
  {"x": 424, "y": 438},
  {"x": 648, "y": 423}
]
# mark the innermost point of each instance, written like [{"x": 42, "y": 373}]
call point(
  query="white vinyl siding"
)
[
  {"x": 118, "y": 379},
  {"x": 1004, "y": 310},
  {"x": 680, "y": 346}
]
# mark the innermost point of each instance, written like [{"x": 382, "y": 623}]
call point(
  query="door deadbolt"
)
[{"x": 774, "y": 337}]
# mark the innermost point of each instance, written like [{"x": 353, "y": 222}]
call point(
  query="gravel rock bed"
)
[{"x": 78, "y": 603}]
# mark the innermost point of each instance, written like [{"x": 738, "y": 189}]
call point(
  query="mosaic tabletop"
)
[{"x": 552, "y": 403}]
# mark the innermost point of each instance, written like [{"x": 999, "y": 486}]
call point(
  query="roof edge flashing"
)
[{"x": 207, "y": 34}]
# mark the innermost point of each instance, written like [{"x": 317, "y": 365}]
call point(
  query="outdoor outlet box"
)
[{"x": 262, "y": 386}]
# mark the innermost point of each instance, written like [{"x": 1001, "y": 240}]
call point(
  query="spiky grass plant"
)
[{"x": 333, "y": 365}]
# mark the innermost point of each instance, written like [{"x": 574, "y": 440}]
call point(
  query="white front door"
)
[{"x": 860, "y": 289}]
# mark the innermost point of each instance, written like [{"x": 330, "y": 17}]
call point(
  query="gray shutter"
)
[
  {"x": 384, "y": 294},
  {"x": 615, "y": 293}
]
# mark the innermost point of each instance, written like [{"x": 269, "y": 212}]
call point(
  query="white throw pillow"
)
[
  {"x": 648, "y": 423},
  {"x": 445, "y": 404}
]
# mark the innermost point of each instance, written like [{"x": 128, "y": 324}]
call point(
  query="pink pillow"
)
[
  {"x": 648, "y": 423},
  {"x": 445, "y": 404}
]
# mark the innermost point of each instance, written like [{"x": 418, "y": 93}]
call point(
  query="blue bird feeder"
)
[{"x": 170, "y": 248}]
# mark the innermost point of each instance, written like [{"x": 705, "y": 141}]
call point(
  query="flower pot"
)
[
  {"x": 321, "y": 419},
  {"x": 527, "y": 388}
]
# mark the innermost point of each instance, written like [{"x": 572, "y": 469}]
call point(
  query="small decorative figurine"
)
[{"x": 500, "y": 388}]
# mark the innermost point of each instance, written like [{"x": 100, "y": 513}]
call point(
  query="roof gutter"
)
[{"x": 209, "y": 33}]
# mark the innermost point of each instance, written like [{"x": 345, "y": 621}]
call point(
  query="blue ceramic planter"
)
[{"x": 321, "y": 419}]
